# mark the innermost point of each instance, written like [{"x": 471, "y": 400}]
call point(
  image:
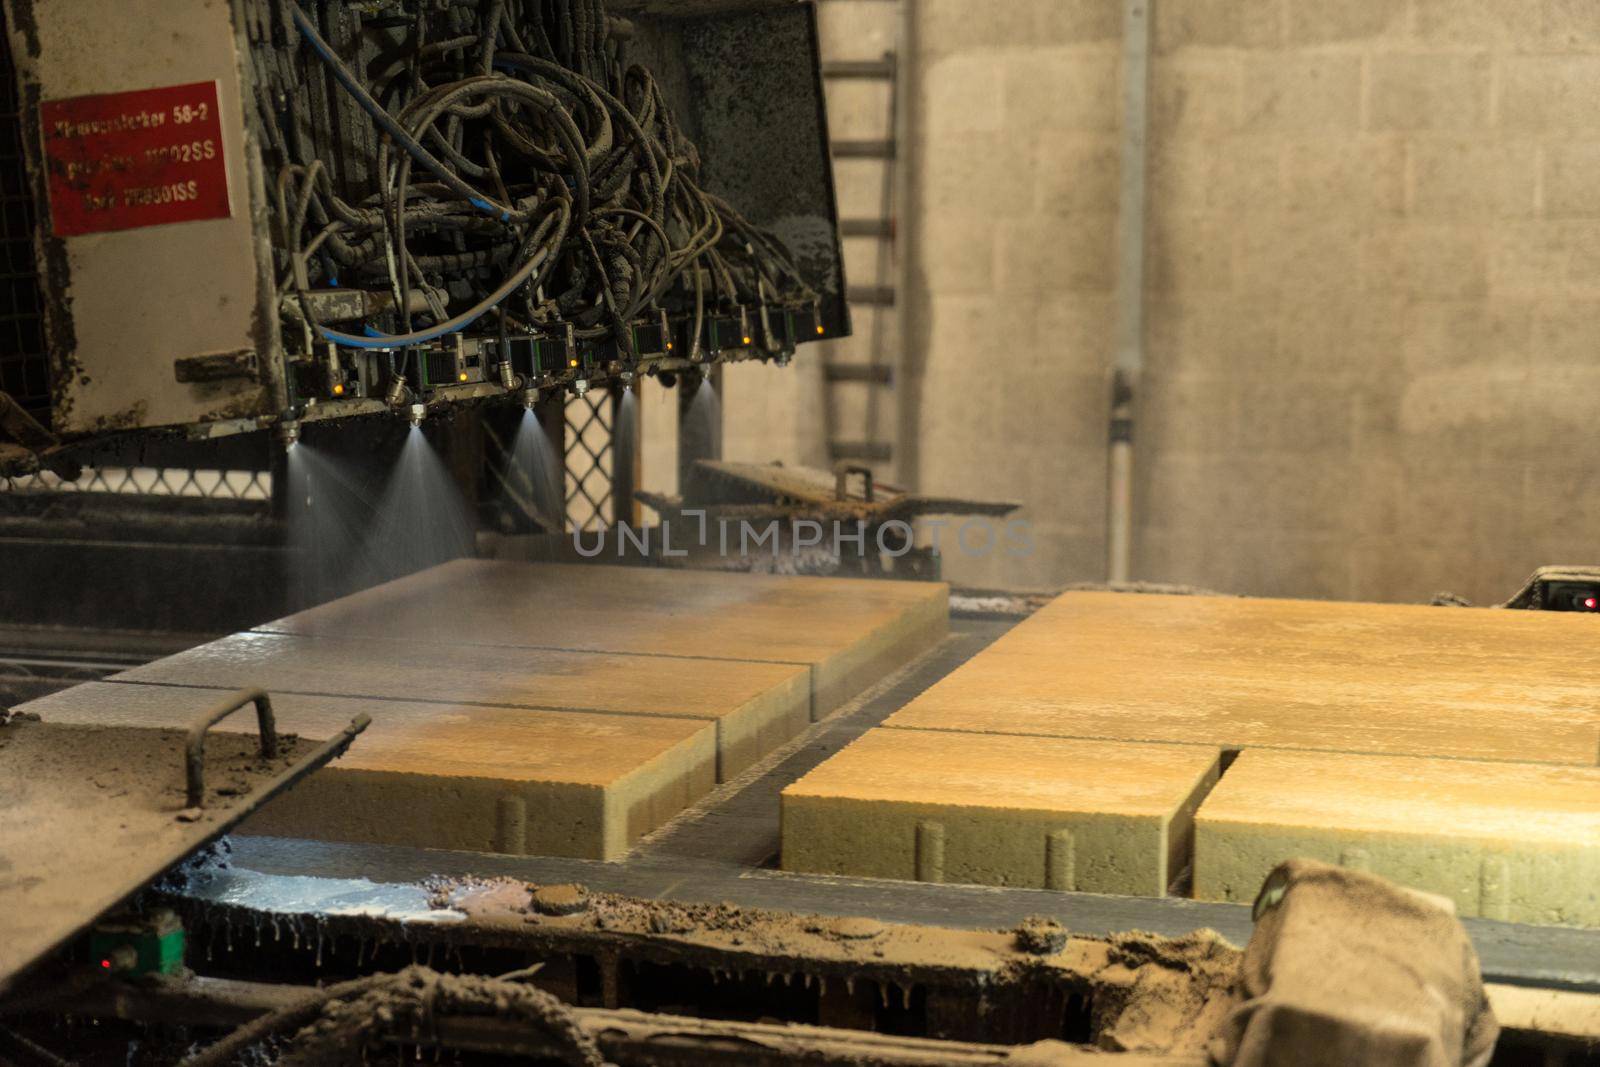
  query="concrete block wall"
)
[
  {"x": 1372, "y": 344},
  {"x": 657, "y": 408},
  {"x": 1373, "y": 263},
  {"x": 1011, "y": 228},
  {"x": 773, "y": 413},
  {"x": 1372, "y": 287}
]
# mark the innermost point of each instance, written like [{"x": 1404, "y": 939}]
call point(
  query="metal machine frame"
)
[{"x": 197, "y": 343}]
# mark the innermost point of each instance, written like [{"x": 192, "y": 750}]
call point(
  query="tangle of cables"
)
[{"x": 523, "y": 173}]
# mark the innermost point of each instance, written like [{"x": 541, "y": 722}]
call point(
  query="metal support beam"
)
[
  {"x": 625, "y": 1037},
  {"x": 551, "y": 413},
  {"x": 627, "y": 454}
]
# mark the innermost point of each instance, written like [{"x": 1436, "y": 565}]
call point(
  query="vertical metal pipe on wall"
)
[
  {"x": 913, "y": 307},
  {"x": 1128, "y": 361},
  {"x": 551, "y": 412}
]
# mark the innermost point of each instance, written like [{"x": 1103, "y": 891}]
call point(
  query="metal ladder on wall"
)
[{"x": 869, "y": 439}]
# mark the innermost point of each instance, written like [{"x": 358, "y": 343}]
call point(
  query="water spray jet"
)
[{"x": 535, "y": 473}]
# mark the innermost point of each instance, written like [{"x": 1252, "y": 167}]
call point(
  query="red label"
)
[{"x": 121, "y": 160}]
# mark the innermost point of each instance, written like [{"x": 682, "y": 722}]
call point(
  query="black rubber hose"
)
[{"x": 386, "y": 121}]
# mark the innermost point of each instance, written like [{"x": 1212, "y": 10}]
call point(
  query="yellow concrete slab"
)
[
  {"x": 848, "y": 632},
  {"x": 451, "y": 776},
  {"x": 1378, "y": 678},
  {"x": 1052, "y": 813},
  {"x": 755, "y": 706},
  {"x": 1518, "y": 842}
]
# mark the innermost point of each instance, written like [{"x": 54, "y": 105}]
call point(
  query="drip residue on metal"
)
[{"x": 306, "y": 895}]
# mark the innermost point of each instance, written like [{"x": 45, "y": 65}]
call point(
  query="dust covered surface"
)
[
  {"x": 93, "y": 813},
  {"x": 1144, "y": 992},
  {"x": 1149, "y": 993},
  {"x": 1166, "y": 994}
]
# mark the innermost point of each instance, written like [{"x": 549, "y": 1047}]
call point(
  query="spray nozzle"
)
[
  {"x": 397, "y": 392},
  {"x": 289, "y": 433},
  {"x": 418, "y": 412},
  {"x": 580, "y": 386}
]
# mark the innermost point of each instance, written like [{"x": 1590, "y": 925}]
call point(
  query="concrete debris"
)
[{"x": 1041, "y": 935}]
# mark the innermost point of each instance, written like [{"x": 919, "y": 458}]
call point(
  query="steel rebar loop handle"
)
[{"x": 195, "y": 745}]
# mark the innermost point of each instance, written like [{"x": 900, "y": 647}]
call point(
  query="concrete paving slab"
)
[
  {"x": 1376, "y": 678},
  {"x": 755, "y": 707},
  {"x": 848, "y": 632},
  {"x": 1065, "y": 814},
  {"x": 436, "y": 775},
  {"x": 1504, "y": 841}
]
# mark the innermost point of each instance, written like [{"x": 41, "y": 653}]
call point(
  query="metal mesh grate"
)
[
  {"x": 588, "y": 460},
  {"x": 151, "y": 481},
  {"x": 24, "y": 368}
]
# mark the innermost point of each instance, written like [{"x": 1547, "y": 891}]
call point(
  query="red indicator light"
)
[
  {"x": 105, "y": 965},
  {"x": 1591, "y": 603}
]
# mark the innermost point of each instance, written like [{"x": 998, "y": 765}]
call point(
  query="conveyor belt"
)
[{"x": 1510, "y": 953}]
